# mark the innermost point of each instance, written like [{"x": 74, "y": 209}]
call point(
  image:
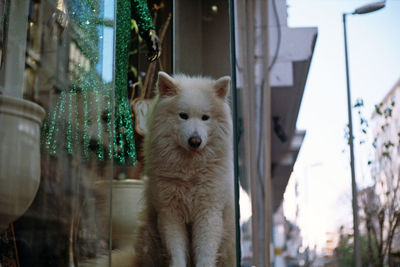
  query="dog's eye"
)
[
  {"x": 205, "y": 117},
  {"x": 184, "y": 116}
]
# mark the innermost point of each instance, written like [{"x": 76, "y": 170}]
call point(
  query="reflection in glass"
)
[
  {"x": 3, "y": 28},
  {"x": 69, "y": 73}
]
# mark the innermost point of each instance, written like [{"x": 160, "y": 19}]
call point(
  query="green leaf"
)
[
  {"x": 388, "y": 112},
  {"x": 388, "y": 144},
  {"x": 359, "y": 103},
  {"x": 378, "y": 110}
]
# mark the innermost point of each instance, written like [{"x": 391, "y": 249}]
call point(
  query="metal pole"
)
[
  {"x": 235, "y": 127},
  {"x": 357, "y": 256},
  {"x": 267, "y": 111}
]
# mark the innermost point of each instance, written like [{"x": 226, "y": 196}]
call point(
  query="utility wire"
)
[{"x": 278, "y": 41}]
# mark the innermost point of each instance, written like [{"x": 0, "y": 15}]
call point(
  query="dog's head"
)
[{"x": 194, "y": 108}]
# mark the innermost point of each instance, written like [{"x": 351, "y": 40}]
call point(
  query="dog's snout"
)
[{"x": 194, "y": 141}]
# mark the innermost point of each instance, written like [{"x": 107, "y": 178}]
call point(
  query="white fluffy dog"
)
[{"x": 189, "y": 197}]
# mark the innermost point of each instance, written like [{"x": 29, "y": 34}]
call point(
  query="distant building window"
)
[
  {"x": 30, "y": 83},
  {"x": 79, "y": 64},
  {"x": 34, "y": 30}
]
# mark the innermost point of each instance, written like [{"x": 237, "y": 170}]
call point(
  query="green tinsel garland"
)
[{"x": 69, "y": 122}]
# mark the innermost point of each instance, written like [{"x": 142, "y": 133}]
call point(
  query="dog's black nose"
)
[{"x": 194, "y": 141}]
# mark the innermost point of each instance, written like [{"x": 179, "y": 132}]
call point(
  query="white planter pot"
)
[
  {"x": 20, "y": 122},
  {"x": 126, "y": 204}
]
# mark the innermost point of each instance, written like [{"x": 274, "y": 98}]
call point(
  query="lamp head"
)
[{"x": 370, "y": 8}]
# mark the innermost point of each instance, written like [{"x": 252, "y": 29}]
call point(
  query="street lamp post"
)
[{"x": 361, "y": 10}]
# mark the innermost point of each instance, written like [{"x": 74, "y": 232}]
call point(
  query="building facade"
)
[{"x": 385, "y": 167}]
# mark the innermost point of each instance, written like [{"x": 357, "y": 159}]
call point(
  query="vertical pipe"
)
[
  {"x": 267, "y": 139},
  {"x": 174, "y": 33},
  {"x": 111, "y": 171},
  {"x": 235, "y": 126},
  {"x": 357, "y": 256},
  {"x": 250, "y": 122}
]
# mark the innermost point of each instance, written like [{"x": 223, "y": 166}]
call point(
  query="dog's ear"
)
[
  {"x": 166, "y": 84},
  {"x": 221, "y": 86}
]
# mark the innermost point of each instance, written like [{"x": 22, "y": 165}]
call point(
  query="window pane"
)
[{"x": 57, "y": 144}]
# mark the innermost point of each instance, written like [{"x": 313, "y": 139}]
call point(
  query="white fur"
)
[{"x": 189, "y": 196}]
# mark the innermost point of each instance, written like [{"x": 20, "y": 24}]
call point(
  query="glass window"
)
[
  {"x": 56, "y": 133},
  {"x": 76, "y": 89}
]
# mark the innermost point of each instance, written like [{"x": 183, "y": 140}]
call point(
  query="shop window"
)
[
  {"x": 66, "y": 221},
  {"x": 91, "y": 139}
]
